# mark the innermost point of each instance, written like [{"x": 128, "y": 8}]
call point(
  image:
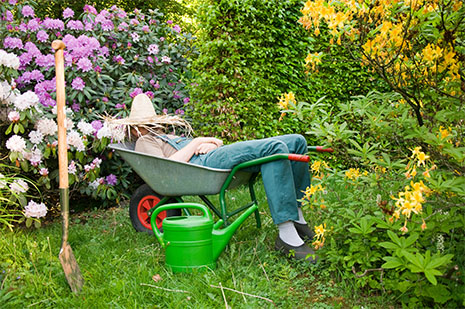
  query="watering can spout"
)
[{"x": 222, "y": 236}]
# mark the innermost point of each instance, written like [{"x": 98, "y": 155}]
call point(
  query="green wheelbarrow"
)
[{"x": 167, "y": 181}]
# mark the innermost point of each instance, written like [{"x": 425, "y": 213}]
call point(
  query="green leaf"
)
[
  {"x": 8, "y": 131},
  {"x": 389, "y": 245},
  {"x": 430, "y": 276},
  {"x": 392, "y": 262},
  {"x": 394, "y": 238}
]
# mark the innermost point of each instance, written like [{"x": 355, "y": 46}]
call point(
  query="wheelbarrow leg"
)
[{"x": 254, "y": 200}]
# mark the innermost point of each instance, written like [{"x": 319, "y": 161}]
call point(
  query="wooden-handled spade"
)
[{"x": 67, "y": 259}]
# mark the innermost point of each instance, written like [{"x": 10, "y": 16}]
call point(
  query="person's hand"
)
[
  {"x": 212, "y": 140},
  {"x": 205, "y": 148}
]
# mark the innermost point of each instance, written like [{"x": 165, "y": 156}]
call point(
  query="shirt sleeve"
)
[{"x": 149, "y": 145}]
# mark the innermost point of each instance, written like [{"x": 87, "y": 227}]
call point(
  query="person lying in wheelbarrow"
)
[{"x": 284, "y": 180}]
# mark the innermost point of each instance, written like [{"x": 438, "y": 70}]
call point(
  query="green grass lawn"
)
[{"x": 119, "y": 264}]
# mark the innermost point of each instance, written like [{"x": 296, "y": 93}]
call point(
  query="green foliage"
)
[
  {"x": 15, "y": 191},
  {"x": 124, "y": 54},
  {"x": 363, "y": 243},
  {"x": 250, "y": 52}
]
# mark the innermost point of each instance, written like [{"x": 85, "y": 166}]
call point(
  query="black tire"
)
[{"x": 141, "y": 205}]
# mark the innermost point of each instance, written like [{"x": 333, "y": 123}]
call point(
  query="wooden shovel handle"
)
[{"x": 58, "y": 46}]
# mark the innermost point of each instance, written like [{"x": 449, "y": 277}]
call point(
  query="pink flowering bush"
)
[{"x": 110, "y": 57}]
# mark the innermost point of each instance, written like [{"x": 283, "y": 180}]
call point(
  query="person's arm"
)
[{"x": 199, "y": 145}]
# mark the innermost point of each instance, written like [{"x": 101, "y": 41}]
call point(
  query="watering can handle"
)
[{"x": 156, "y": 231}]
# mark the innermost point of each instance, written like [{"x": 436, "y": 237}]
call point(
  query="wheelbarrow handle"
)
[
  {"x": 298, "y": 157},
  {"x": 320, "y": 149}
]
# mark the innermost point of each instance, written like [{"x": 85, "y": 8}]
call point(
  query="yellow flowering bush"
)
[{"x": 395, "y": 197}]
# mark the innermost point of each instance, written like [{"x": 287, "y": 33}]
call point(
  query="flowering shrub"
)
[
  {"x": 14, "y": 194},
  {"x": 110, "y": 57}
]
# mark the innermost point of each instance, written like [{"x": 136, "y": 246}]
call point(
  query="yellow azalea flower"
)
[
  {"x": 320, "y": 230},
  {"x": 415, "y": 151},
  {"x": 407, "y": 208},
  {"x": 286, "y": 99},
  {"x": 423, "y": 226},
  {"x": 444, "y": 132},
  {"x": 422, "y": 157},
  {"x": 404, "y": 229}
]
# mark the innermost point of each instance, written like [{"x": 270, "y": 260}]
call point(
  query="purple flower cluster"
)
[
  {"x": 75, "y": 25},
  {"x": 27, "y": 11},
  {"x": 13, "y": 43},
  {"x": 43, "y": 90},
  {"x": 96, "y": 43},
  {"x": 28, "y": 77},
  {"x": 57, "y": 24},
  {"x": 68, "y": 13},
  {"x": 78, "y": 84}
]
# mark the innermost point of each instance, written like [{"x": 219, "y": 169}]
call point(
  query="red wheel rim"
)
[{"x": 143, "y": 211}]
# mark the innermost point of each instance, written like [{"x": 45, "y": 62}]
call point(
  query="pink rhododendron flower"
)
[
  {"x": 135, "y": 92},
  {"x": 75, "y": 25},
  {"x": 72, "y": 168},
  {"x": 78, "y": 84},
  {"x": 67, "y": 13},
  {"x": 57, "y": 24},
  {"x": 42, "y": 36},
  {"x": 153, "y": 49},
  {"x": 177, "y": 28},
  {"x": 166, "y": 59},
  {"x": 14, "y": 116},
  {"x": 27, "y": 11},
  {"x": 45, "y": 61},
  {"x": 12, "y": 43},
  {"x": 84, "y": 64},
  {"x": 135, "y": 37},
  {"x": 33, "y": 25},
  {"x": 90, "y": 9},
  {"x": 43, "y": 171}
]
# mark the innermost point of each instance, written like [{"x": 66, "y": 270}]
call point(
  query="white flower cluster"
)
[
  {"x": 104, "y": 132},
  {"x": 26, "y": 100},
  {"x": 7, "y": 93},
  {"x": 94, "y": 184},
  {"x": 116, "y": 131},
  {"x": 35, "y": 210},
  {"x": 74, "y": 139},
  {"x": 16, "y": 143},
  {"x": 85, "y": 128},
  {"x": 9, "y": 60},
  {"x": 95, "y": 164},
  {"x": 47, "y": 126},
  {"x": 34, "y": 156},
  {"x": 19, "y": 186}
]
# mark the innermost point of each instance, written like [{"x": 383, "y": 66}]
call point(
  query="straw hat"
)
[{"x": 143, "y": 114}]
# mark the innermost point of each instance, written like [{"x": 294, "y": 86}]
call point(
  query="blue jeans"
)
[{"x": 283, "y": 180}]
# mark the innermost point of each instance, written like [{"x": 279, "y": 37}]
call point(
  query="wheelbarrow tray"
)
[{"x": 174, "y": 178}]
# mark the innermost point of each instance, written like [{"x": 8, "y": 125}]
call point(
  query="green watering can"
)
[{"x": 193, "y": 242}]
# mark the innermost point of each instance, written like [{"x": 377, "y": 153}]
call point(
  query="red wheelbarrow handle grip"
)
[
  {"x": 321, "y": 149},
  {"x": 298, "y": 157}
]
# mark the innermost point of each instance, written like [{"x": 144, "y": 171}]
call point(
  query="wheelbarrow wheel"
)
[{"x": 143, "y": 202}]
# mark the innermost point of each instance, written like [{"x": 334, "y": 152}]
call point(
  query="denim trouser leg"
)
[{"x": 283, "y": 180}]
